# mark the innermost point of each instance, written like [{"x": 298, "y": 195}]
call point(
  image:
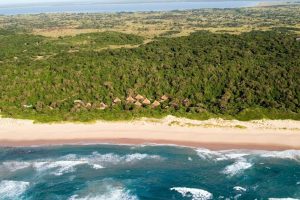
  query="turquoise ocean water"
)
[{"x": 115, "y": 172}]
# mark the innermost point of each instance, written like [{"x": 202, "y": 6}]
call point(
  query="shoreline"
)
[
  {"x": 140, "y": 142},
  {"x": 246, "y": 4},
  {"x": 216, "y": 134}
]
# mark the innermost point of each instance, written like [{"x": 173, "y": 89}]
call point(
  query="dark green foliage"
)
[
  {"x": 248, "y": 76},
  {"x": 101, "y": 39}
]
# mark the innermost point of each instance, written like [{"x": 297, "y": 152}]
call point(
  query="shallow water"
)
[
  {"x": 129, "y": 7},
  {"x": 111, "y": 172}
]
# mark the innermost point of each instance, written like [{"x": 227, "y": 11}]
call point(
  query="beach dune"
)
[{"x": 213, "y": 133}]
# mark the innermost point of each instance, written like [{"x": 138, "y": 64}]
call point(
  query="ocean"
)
[
  {"x": 117, "y": 172},
  {"x": 121, "y": 7}
]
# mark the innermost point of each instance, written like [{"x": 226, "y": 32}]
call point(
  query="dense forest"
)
[{"x": 247, "y": 76}]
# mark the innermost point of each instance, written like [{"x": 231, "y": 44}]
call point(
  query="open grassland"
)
[
  {"x": 155, "y": 24},
  {"x": 62, "y": 32}
]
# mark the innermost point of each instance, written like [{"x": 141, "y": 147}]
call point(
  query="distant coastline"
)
[{"x": 93, "y": 7}]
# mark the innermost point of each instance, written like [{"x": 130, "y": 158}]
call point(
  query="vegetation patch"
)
[{"x": 114, "y": 75}]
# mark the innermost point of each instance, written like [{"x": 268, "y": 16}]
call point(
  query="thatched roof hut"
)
[
  {"x": 146, "y": 102},
  {"x": 138, "y": 104},
  {"x": 78, "y": 103},
  {"x": 139, "y": 97},
  {"x": 174, "y": 105},
  {"x": 130, "y": 99},
  {"x": 117, "y": 100},
  {"x": 102, "y": 106},
  {"x": 28, "y": 106},
  {"x": 155, "y": 104},
  {"x": 186, "y": 102},
  {"x": 88, "y": 105},
  {"x": 164, "y": 98}
]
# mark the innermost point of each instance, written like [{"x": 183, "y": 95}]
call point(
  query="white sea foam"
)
[
  {"x": 138, "y": 156},
  {"x": 239, "y": 189},
  {"x": 220, "y": 155},
  {"x": 96, "y": 166},
  {"x": 60, "y": 166},
  {"x": 68, "y": 163},
  {"x": 288, "y": 154},
  {"x": 14, "y": 165},
  {"x": 233, "y": 154},
  {"x": 237, "y": 167},
  {"x": 240, "y": 158},
  {"x": 283, "y": 199},
  {"x": 12, "y": 189},
  {"x": 114, "y": 159},
  {"x": 106, "y": 189},
  {"x": 116, "y": 194},
  {"x": 208, "y": 154},
  {"x": 194, "y": 193}
]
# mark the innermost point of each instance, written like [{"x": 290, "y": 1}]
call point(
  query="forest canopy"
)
[{"x": 247, "y": 76}]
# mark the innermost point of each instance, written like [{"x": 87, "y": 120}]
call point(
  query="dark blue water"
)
[
  {"x": 129, "y": 7},
  {"x": 109, "y": 172}
]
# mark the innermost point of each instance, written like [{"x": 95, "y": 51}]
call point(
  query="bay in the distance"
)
[{"x": 119, "y": 7}]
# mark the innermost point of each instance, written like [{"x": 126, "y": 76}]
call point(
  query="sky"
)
[
  {"x": 18, "y": 2},
  {"x": 3, "y": 2},
  {"x": 14, "y": 2},
  {"x": 6, "y": 2}
]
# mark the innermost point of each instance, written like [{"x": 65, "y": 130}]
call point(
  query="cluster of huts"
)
[
  {"x": 138, "y": 101},
  {"x": 80, "y": 104}
]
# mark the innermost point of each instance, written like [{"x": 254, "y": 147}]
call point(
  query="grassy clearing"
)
[
  {"x": 62, "y": 32},
  {"x": 154, "y": 24}
]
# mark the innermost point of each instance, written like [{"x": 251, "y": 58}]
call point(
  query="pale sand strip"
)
[{"x": 214, "y": 133}]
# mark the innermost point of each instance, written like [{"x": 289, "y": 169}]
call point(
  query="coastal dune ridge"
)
[{"x": 212, "y": 133}]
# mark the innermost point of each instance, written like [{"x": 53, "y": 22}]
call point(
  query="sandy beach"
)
[{"x": 213, "y": 133}]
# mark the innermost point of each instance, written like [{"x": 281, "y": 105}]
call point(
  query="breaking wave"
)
[
  {"x": 195, "y": 194},
  {"x": 288, "y": 154},
  {"x": 15, "y": 165},
  {"x": 239, "y": 157},
  {"x": 114, "y": 159},
  {"x": 232, "y": 154},
  {"x": 68, "y": 163},
  {"x": 104, "y": 190},
  {"x": 220, "y": 155},
  {"x": 122, "y": 173},
  {"x": 237, "y": 167},
  {"x": 282, "y": 199},
  {"x": 60, "y": 166},
  {"x": 12, "y": 189},
  {"x": 239, "y": 189},
  {"x": 117, "y": 194}
]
